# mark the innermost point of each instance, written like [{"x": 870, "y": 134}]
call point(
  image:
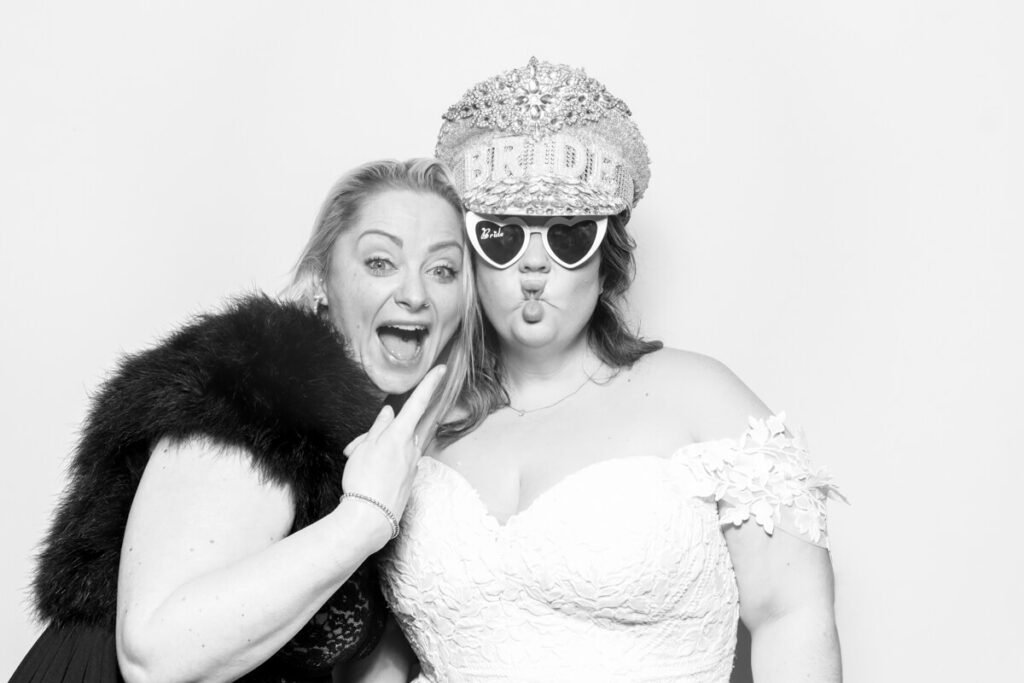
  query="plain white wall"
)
[{"x": 835, "y": 212}]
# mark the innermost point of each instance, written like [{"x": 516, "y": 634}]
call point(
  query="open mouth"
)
[{"x": 404, "y": 343}]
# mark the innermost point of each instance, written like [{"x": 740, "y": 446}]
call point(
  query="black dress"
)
[{"x": 268, "y": 377}]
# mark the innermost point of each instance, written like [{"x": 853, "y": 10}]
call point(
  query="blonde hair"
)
[{"x": 341, "y": 210}]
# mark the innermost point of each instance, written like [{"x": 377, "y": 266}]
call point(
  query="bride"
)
[{"x": 603, "y": 509}]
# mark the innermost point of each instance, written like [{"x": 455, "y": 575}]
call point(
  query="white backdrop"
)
[{"x": 835, "y": 212}]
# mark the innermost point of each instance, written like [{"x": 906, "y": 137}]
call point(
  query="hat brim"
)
[{"x": 542, "y": 196}]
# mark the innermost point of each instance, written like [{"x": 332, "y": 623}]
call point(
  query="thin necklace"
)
[{"x": 520, "y": 412}]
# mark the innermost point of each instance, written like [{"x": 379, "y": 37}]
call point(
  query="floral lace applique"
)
[{"x": 766, "y": 475}]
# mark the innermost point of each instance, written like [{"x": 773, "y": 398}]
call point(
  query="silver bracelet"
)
[{"x": 380, "y": 506}]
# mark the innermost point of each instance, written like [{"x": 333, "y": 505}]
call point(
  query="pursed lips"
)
[{"x": 532, "y": 289}]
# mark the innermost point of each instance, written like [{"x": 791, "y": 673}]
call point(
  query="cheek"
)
[
  {"x": 586, "y": 281},
  {"x": 582, "y": 292},
  {"x": 495, "y": 290},
  {"x": 353, "y": 303},
  {"x": 449, "y": 301},
  {"x": 588, "y": 287}
]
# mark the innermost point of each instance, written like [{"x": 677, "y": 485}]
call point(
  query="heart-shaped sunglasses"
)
[{"x": 569, "y": 240}]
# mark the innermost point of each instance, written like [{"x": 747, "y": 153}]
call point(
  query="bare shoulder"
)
[
  {"x": 687, "y": 371},
  {"x": 712, "y": 398}
]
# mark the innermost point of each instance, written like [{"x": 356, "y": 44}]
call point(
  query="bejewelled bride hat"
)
[{"x": 544, "y": 139}]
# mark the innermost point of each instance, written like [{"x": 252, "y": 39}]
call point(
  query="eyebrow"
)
[
  {"x": 394, "y": 238},
  {"x": 445, "y": 245},
  {"x": 438, "y": 246}
]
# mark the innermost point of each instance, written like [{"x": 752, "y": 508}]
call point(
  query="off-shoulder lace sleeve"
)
[{"x": 766, "y": 475}]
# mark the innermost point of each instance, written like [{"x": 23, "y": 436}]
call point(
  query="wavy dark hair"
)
[{"x": 608, "y": 335}]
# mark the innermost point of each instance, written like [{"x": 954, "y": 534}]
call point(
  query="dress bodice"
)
[{"x": 619, "y": 572}]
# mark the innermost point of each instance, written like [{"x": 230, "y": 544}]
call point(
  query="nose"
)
[
  {"x": 411, "y": 293},
  {"x": 536, "y": 259}
]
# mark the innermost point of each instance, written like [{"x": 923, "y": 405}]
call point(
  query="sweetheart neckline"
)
[{"x": 502, "y": 526}]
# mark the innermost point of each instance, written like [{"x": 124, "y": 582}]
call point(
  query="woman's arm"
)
[
  {"x": 210, "y": 584},
  {"x": 785, "y": 583},
  {"x": 786, "y": 601}
]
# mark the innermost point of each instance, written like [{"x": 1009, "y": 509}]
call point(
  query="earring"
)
[{"x": 319, "y": 302}]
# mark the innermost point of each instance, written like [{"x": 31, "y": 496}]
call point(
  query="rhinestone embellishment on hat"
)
[
  {"x": 537, "y": 99},
  {"x": 544, "y": 139}
]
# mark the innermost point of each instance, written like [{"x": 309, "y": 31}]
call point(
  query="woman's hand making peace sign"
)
[{"x": 382, "y": 462}]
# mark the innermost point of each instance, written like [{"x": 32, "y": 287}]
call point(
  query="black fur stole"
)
[{"x": 269, "y": 377}]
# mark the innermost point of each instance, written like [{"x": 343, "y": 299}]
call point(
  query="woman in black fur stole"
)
[{"x": 231, "y": 482}]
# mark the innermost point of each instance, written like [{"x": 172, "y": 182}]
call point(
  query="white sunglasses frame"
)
[{"x": 473, "y": 218}]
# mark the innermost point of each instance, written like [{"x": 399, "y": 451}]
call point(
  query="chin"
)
[
  {"x": 392, "y": 379},
  {"x": 533, "y": 335},
  {"x": 533, "y": 341},
  {"x": 391, "y": 382}
]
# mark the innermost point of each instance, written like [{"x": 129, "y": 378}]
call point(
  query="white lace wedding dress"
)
[{"x": 618, "y": 573}]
